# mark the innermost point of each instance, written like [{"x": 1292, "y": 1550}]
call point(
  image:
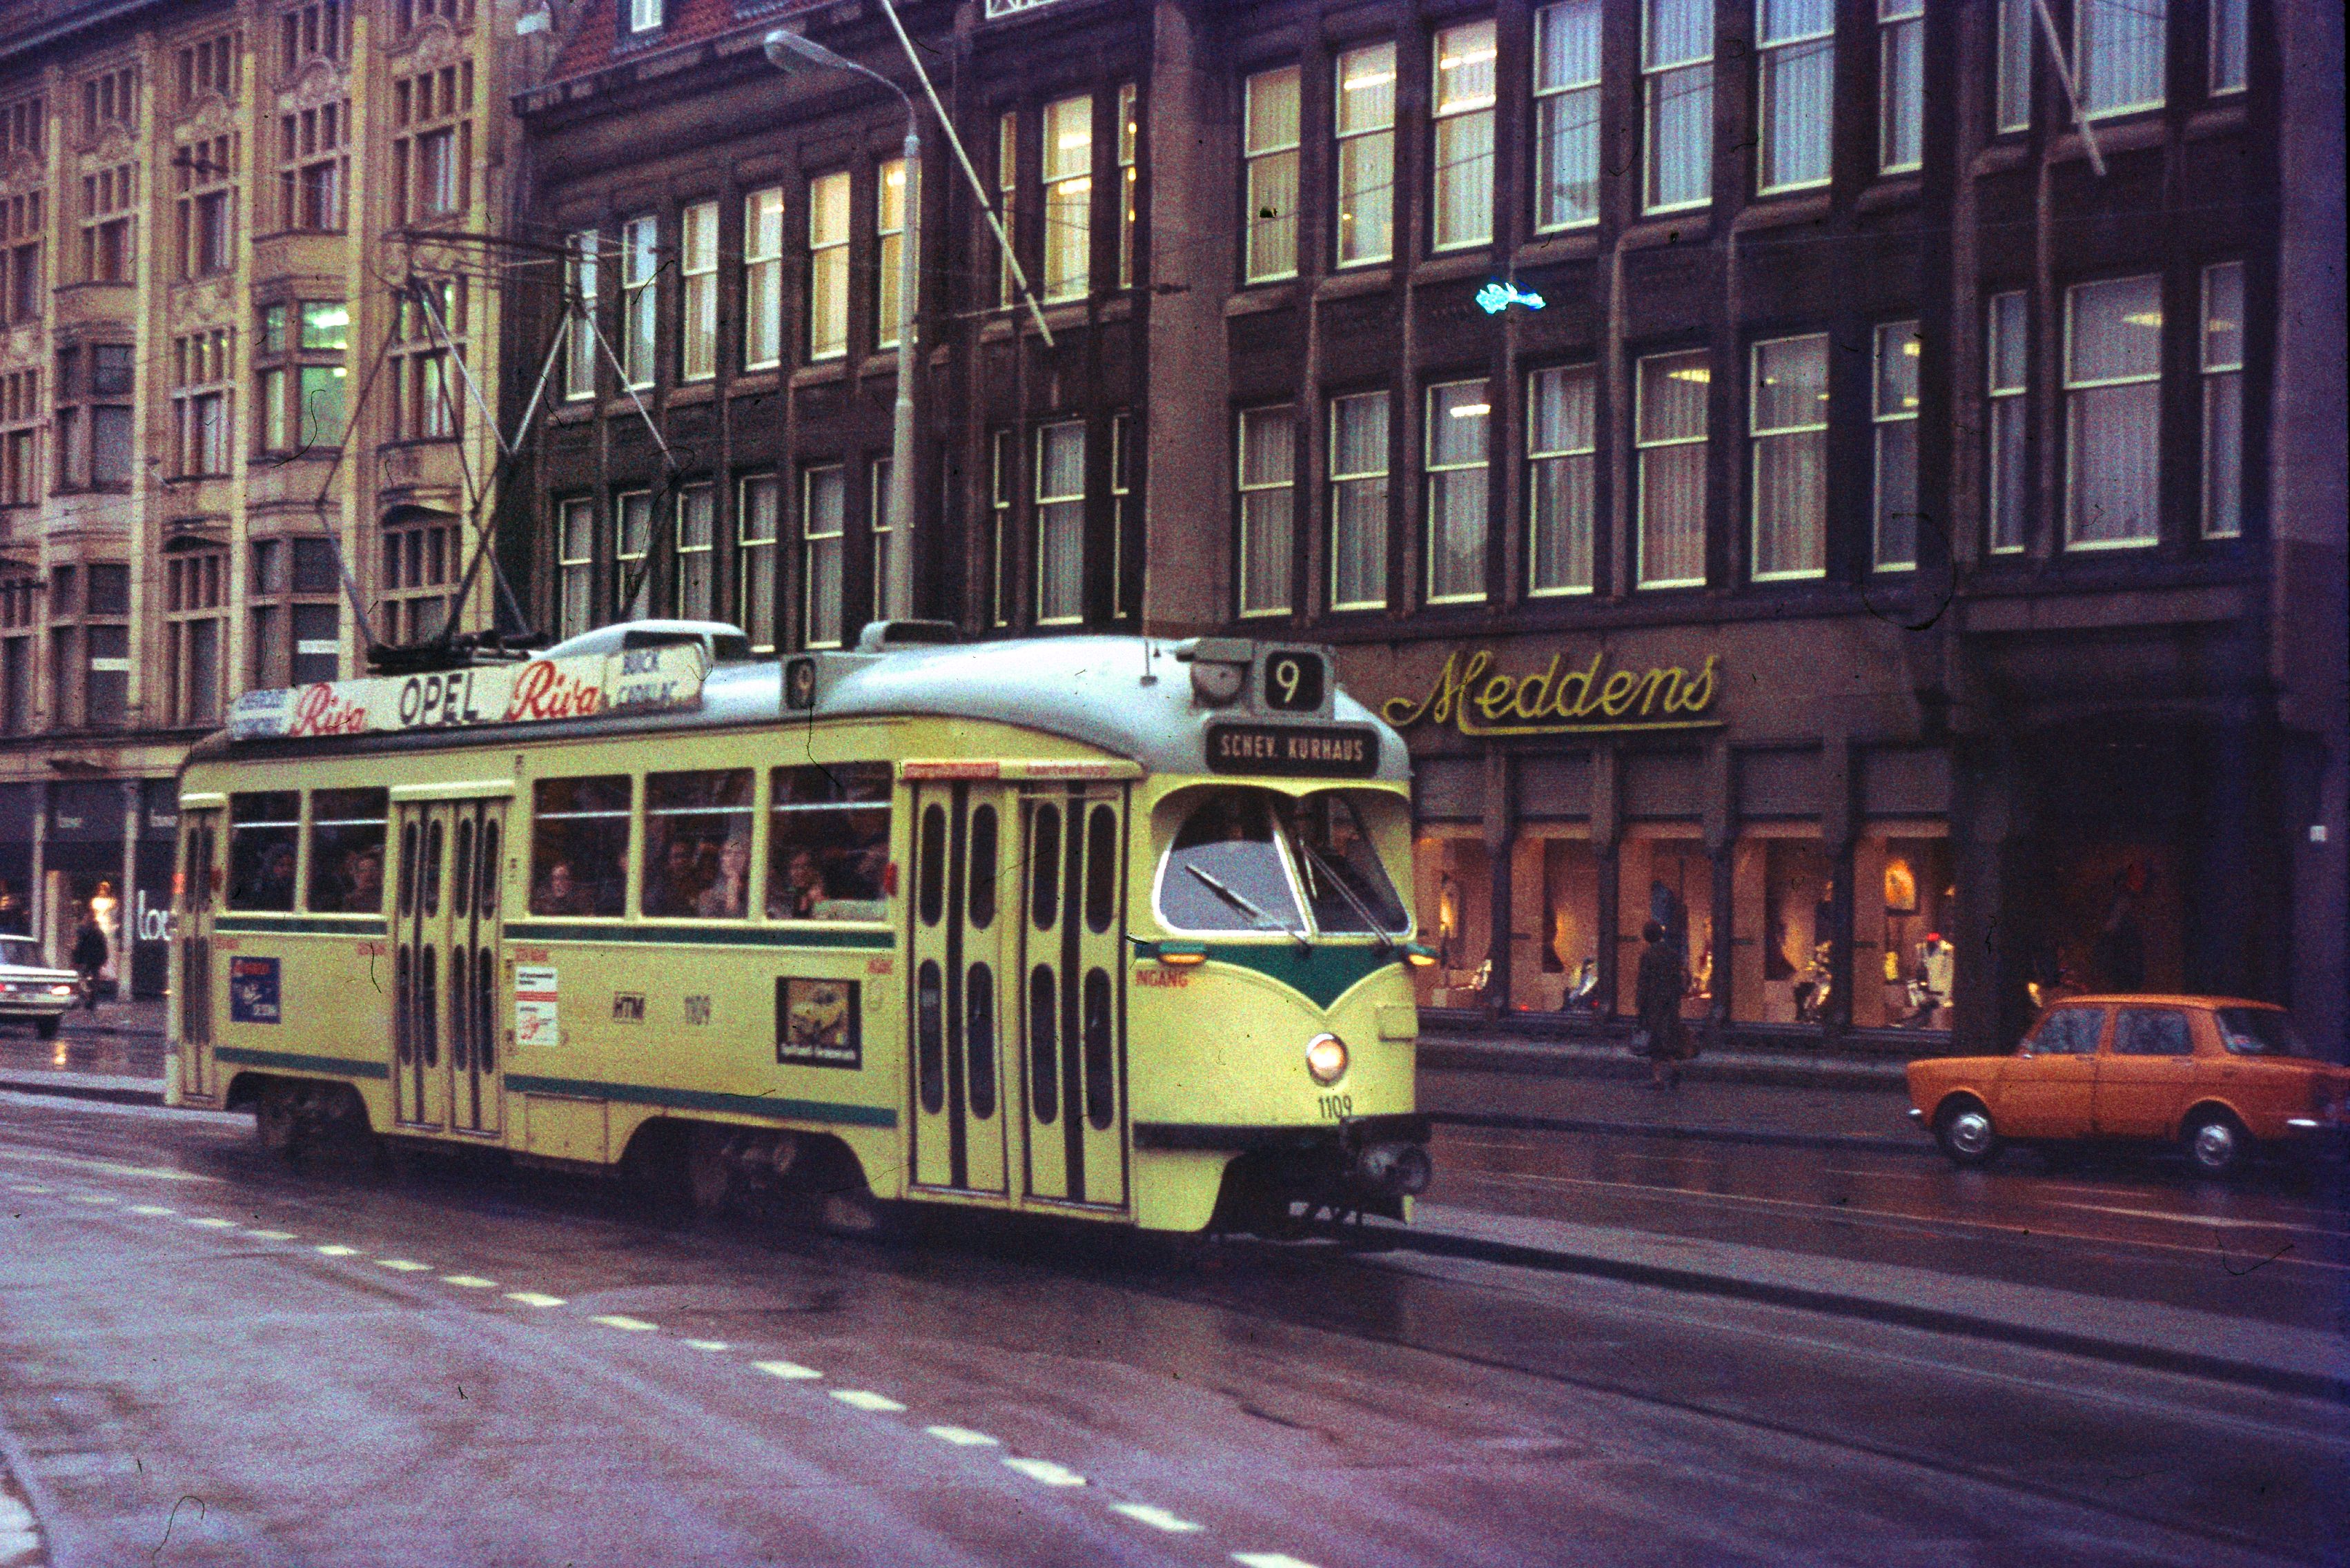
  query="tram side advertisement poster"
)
[
  {"x": 535, "y": 1021},
  {"x": 536, "y": 692}
]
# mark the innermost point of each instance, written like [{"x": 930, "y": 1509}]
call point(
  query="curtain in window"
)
[
  {"x": 2006, "y": 364},
  {"x": 823, "y": 513},
  {"x": 1268, "y": 446},
  {"x": 1671, "y": 438},
  {"x": 1791, "y": 424},
  {"x": 1365, "y": 130},
  {"x": 1566, "y": 98},
  {"x": 1895, "y": 413},
  {"x": 1560, "y": 419},
  {"x": 2120, "y": 42},
  {"x": 1677, "y": 64},
  {"x": 2114, "y": 411},
  {"x": 1060, "y": 523},
  {"x": 2223, "y": 400},
  {"x": 1272, "y": 152},
  {"x": 1459, "y": 418},
  {"x": 1358, "y": 500},
  {"x": 1797, "y": 38},
  {"x": 1464, "y": 135}
]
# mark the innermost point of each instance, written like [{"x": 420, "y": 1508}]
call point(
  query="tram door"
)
[
  {"x": 957, "y": 987},
  {"x": 1072, "y": 993},
  {"x": 199, "y": 894},
  {"x": 444, "y": 965}
]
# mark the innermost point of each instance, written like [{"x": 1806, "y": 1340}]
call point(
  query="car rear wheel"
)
[
  {"x": 2215, "y": 1143},
  {"x": 1963, "y": 1128}
]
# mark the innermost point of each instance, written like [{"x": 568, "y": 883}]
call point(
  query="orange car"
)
[{"x": 2215, "y": 1075}]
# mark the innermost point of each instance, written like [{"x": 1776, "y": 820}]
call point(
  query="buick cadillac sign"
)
[{"x": 539, "y": 692}]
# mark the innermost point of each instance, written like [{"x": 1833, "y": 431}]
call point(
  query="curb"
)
[
  {"x": 84, "y": 1086},
  {"x": 1937, "y": 1320},
  {"x": 1725, "y": 1067},
  {"x": 1870, "y": 1142}
]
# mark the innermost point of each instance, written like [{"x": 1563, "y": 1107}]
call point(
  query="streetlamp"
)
[{"x": 792, "y": 54}]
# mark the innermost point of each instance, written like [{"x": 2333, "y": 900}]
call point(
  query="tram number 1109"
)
[{"x": 1336, "y": 1107}]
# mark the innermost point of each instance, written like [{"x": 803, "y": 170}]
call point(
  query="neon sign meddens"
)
[{"x": 1482, "y": 702}]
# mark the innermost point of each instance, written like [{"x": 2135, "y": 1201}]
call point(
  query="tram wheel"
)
[{"x": 275, "y": 1121}]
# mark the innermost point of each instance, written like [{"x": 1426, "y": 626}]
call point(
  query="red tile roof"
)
[{"x": 597, "y": 41}]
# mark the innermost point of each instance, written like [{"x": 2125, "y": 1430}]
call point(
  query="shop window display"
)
[
  {"x": 1554, "y": 887},
  {"x": 1453, "y": 893},
  {"x": 1668, "y": 880},
  {"x": 1783, "y": 891},
  {"x": 1904, "y": 959}
]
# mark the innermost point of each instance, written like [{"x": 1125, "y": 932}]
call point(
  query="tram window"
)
[
  {"x": 829, "y": 842},
  {"x": 262, "y": 832},
  {"x": 1225, "y": 872},
  {"x": 978, "y": 1037},
  {"x": 698, "y": 845},
  {"x": 982, "y": 866},
  {"x": 491, "y": 872},
  {"x": 579, "y": 846},
  {"x": 1336, "y": 856},
  {"x": 1101, "y": 867},
  {"x": 1045, "y": 868},
  {"x": 347, "y": 850}
]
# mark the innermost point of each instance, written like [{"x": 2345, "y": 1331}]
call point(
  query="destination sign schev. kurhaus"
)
[{"x": 537, "y": 691}]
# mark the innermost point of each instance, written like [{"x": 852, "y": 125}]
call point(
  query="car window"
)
[
  {"x": 2260, "y": 1032},
  {"x": 20, "y": 951},
  {"x": 2152, "y": 1032},
  {"x": 2069, "y": 1032}
]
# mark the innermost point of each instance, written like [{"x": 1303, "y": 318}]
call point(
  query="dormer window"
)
[{"x": 644, "y": 15}]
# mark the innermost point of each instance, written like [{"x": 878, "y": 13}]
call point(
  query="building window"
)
[
  {"x": 1562, "y": 452},
  {"x": 420, "y": 565},
  {"x": 2113, "y": 412},
  {"x": 1669, "y": 425},
  {"x": 25, "y": 127},
  {"x": 828, "y": 265},
  {"x": 2118, "y": 54},
  {"x": 1894, "y": 412},
  {"x": 632, "y": 586},
  {"x": 110, "y": 98},
  {"x": 210, "y": 65},
  {"x": 762, "y": 279},
  {"x": 2223, "y": 400},
  {"x": 2011, "y": 80},
  {"x": 432, "y": 144},
  {"x": 1676, "y": 102},
  {"x": 1122, "y": 515},
  {"x": 1782, "y": 908},
  {"x": 1269, "y": 145},
  {"x": 580, "y": 324},
  {"x": 414, "y": 14},
  {"x": 108, "y": 240},
  {"x": 889, "y": 250},
  {"x": 644, "y": 15},
  {"x": 94, "y": 429},
  {"x": 1068, "y": 198},
  {"x": 2230, "y": 42},
  {"x": 200, "y": 367},
  {"x": 824, "y": 519},
  {"x": 574, "y": 566},
  {"x": 639, "y": 298},
  {"x": 1460, "y": 418},
  {"x": 1566, "y": 115},
  {"x": 1789, "y": 415},
  {"x": 2004, "y": 370},
  {"x": 205, "y": 207},
  {"x": 314, "y": 167},
  {"x": 1900, "y": 84},
  {"x": 91, "y": 645},
  {"x": 1007, "y": 191},
  {"x": 1796, "y": 40},
  {"x": 1358, "y": 502},
  {"x": 421, "y": 365},
  {"x": 758, "y": 516},
  {"x": 1268, "y": 457},
  {"x": 697, "y": 348},
  {"x": 1904, "y": 961},
  {"x": 299, "y": 375},
  {"x": 20, "y": 256},
  {"x": 1365, "y": 122},
  {"x": 876, "y": 523},
  {"x": 1061, "y": 523},
  {"x": 1002, "y": 484},
  {"x": 697, "y": 527},
  {"x": 19, "y": 621},
  {"x": 294, "y": 611},
  {"x": 1463, "y": 169},
  {"x": 20, "y": 431},
  {"x": 321, "y": 28},
  {"x": 192, "y": 597},
  {"x": 1130, "y": 178}
]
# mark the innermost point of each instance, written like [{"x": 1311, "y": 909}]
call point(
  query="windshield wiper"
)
[
  {"x": 1242, "y": 902},
  {"x": 1354, "y": 900}
]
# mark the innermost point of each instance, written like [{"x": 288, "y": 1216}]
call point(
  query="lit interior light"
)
[
  {"x": 1910, "y": 347},
  {"x": 1471, "y": 411},
  {"x": 1701, "y": 375},
  {"x": 2144, "y": 319},
  {"x": 896, "y": 178},
  {"x": 1076, "y": 142},
  {"x": 1474, "y": 57},
  {"x": 1376, "y": 78}
]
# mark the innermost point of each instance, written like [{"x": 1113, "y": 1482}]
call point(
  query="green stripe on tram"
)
[
  {"x": 1321, "y": 976},
  {"x": 245, "y": 1056},
  {"x": 289, "y": 925},
  {"x": 769, "y": 1105},
  {"x": 696, "y": 935}
]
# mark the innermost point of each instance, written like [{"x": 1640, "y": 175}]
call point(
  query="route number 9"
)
[{"x": 1293, "y": 682}]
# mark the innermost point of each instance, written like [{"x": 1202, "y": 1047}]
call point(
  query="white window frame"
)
[
  {"x": 2071, "y": 432},
  {"x": 1129, "y": 177},
  {"x": 1008, "y": 193},
  {"x": 1655, "y": 73},
  {"x": 1076, "y": 498},
  {"x": 645, "y": 16},
  {"x": 1121, "y": 497},
  {"x": 827, "y": 234},
  {"x": 639, "y": 298},
  {"x": 831, "y": 541},
  {"x": 2010, "y": 407},
  {"x": 1642, "y": 445},
  {"x": 627, "y": 562},
  {"x": 762, "y": 278},
  {"x": 579, "y": 355},
  {"x": 1068, "y": 179},
  {"x": 1901, "y": 85},
  {"x": 1468, "y": 50},
  {"x": 2223, "y": 385},
  {"x": 1383, "y": 474},
  {"x": 2230, "y": 40},
  {"x": 1586, "y": 457},
  {"x": 575, "y": 564},
  {"x": 698, "y": 353},
  {"x": 1883, "y": 428},
  {"x": 1256, "y": 497},
  {"x": 1563, "y": 99},
  {"x": 1002, "y": 484},
  {"x": 1347, "y": 204},
  {"x": 1758, "y": 436},
  {"x": 876, "y": 523},
  {"x": 1772, "y": 56},
  {"x": 890, "y": 239},
  {"x": 1269, "y": 160},
  {"x": 2084, "y": 56},
  {"x": 697, "y": 533},
  {"x": 1482, "y": 403},
  {"x": 2012, "y": 78},
  {"x": 754, "y": 554}
]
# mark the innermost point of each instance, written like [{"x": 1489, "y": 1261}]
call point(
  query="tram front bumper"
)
[{"x": 1369, "y": 1162}]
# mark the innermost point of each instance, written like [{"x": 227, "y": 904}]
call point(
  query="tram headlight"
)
[{"x": 1326, "y": 1058}]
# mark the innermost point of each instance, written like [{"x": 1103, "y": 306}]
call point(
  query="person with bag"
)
[{"x": 1656, "y": 997}]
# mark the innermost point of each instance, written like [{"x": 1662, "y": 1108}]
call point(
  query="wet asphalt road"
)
[{"x": 193, "y": 1370}]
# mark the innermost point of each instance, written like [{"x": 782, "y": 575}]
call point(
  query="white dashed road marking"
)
[
  {"x": 156, "y": 1208},
  {"x": 1157, "y": 1518},
  {"x": 92, "y": 1197},
  {"x": 469, "y": 1281},
  {"x": 866, "y": 1399},
  {"x": 211, "y": 1223},
  {"x": 533, "y": 1298},
  {"x": 633, "y": 1324},
  {"x": 1047, "y": 1471},
  {"x": 1269, "y": 1560},
  {"x": 709, "y": 1345},
  {"x": 335, "y": 1250},
  {"x": 271, "y": 1235},
  {"x": 790, "y": 1371},
  {"x": 962, "y": 1436},
  {"x": 403, "y": 1266}
]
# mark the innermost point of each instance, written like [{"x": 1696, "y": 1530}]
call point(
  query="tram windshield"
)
[{"x": 1243, "y": 857}]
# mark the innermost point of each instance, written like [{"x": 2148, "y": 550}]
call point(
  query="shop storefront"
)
[{"x": 79, "y": 849}]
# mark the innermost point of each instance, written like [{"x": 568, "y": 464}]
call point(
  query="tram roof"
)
[{"x": 1130, "y": 696}]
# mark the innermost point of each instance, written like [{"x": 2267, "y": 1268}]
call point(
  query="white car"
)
[{"x": 29, "y": 989}]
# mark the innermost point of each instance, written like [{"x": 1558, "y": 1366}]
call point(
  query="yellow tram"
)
[{"x": 1096, "y": 926}]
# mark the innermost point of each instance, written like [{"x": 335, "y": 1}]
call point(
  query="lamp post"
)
[{"x": 790, "y": 53}]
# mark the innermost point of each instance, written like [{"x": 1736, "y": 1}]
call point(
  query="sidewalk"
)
[
  {"x": 1875, "y": 1118},
  {"x": 1589, "y": 1056},
  {"x": 115, "y": 1053}
]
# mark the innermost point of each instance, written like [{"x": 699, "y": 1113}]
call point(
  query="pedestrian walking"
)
[
  {"x": 1657, "y": 996},
  {"x": 90, "y": 956}
]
